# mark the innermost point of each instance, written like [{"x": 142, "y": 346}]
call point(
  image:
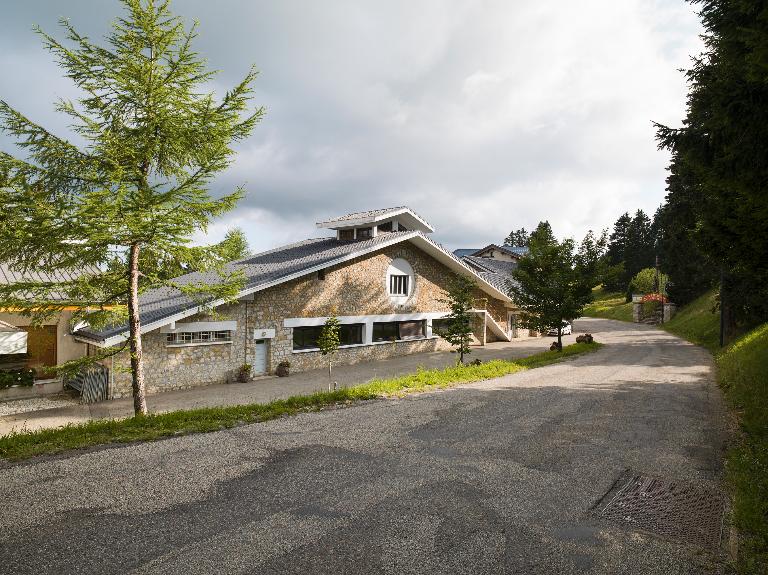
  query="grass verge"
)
[
  {"x": 609, "y": 306},
  {"x": 743, "y": 376},
  {"x": 102, "y": 432}
]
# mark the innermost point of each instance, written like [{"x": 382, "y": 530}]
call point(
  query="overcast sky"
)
[{"x": 481, "y": 115}]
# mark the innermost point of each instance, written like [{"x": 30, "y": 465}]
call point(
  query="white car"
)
[{"x": 567, "y": 329}]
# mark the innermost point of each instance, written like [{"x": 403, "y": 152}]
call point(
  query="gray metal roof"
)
[
  {"x": 405, "y": 216},
  {"x": 498, "y": 273},
  {"x": 463, "y": 252},
  {"x": 10, "y": 276},
  {"x": 512, "y": 250},
  {"x": 365, "y": 215},
  {"x": 259, "y": 270}
]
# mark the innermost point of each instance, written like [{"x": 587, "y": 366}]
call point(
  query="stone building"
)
[{"x": 379, "y": 273}]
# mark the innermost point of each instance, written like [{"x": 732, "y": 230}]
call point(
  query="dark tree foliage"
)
[
  {"x": 542, "y": 234},
  {"x": 518, "y": 238},
  {"x": 691, "y": 272},
  {"x": 640, "y": 251},
  {"x": 721, "y": 149},
  {"x": 630, "y": 249},
  {"x": 553, "y": 281}
]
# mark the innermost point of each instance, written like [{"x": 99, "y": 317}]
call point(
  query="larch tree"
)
[{"x": 148, "y": 140}]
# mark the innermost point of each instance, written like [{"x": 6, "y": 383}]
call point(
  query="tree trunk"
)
[
  {"x": 560, "y": 337},
  {"x": 134, "y": 322}
]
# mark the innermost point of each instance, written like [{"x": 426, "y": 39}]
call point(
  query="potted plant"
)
[
  {"x": 244, "y": 373},
  {"x": 283, "y": 368}
]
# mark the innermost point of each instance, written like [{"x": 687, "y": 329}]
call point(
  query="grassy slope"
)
[
  {"x": 609, "y": 306},
  {"x": 697, "y": 323},
  {"x": 23, "y": 445},
  {"x": 743, "y": 376}
]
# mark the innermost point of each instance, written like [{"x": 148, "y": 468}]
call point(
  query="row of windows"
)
[
  {"x": 366, "y": 233},
  {"x": 307, "y": 337},
  {"x": 198, "y": 336},
  {"x": 352, "y": 334}
]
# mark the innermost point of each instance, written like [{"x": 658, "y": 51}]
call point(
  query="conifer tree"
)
[
  {"x": 458, "y": 328},
  {"x": 152, "y": 141}
]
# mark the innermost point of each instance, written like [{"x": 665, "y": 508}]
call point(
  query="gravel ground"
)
[
  {"x": 36, "y": 404},
  {"x": 493, "y": 477}
]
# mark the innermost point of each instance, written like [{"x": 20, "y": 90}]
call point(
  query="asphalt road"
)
[{"x": 494, "y": 477}]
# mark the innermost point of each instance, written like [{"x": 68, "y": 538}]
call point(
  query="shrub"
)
[
  {"x": 643, "y": 281},
  {"x": 24, "y": 377}
]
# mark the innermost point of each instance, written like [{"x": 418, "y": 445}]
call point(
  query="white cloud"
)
[{"x": 483, "y": 115}]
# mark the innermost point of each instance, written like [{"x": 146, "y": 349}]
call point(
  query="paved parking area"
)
[
  {"x": 264, "y": 389},
  {"x": 495, "y": 477}
]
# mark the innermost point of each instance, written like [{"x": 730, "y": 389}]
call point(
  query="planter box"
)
[{"x": 39, "y": 388}]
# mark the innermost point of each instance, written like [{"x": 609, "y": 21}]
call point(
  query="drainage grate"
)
[{"x": 666, "y": 507}]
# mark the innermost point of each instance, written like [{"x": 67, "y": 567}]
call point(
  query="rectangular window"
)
[
  {"x": 385, "y": 331},
  {"x": 364, "y": 233},
  {"x": 385, "y": 227},
  {"x": 398, "y": 330},
  {"x": 307, "y": 337},
  {"x": 440, "y": 326},
  {"x": 197, "y": 337},
  {"x": 398, "y": 285},
  {"x": 351, "y": 334},
  {"x": 411, "y": 329},
  {"x": 346, "y": 234}
]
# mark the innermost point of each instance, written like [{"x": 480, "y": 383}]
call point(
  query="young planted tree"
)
[
  {"x": 458, "y": 326},
  {"x": 149, "y": 140},
  {"x": 328, "y": 342},
  {"x": 553, "y": 283}
]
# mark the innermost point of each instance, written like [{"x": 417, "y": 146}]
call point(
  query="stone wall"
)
[{"x": 357, "y": 287}]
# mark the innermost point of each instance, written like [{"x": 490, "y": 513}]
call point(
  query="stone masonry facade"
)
[{"x": 355, "y": 288}]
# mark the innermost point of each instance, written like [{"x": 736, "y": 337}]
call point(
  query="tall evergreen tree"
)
[
  {"x": 690, "y": 270},
  {"x": 639, "y": 252},
  {"x": 615, "y": 277},
  {"x": 542, "y": 234},
  {"x": 721, "y": 148},
  {"x": 153, "y": 141},
  {"x": 517, "y": 238}
]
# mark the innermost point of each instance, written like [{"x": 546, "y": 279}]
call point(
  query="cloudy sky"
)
[{"x": 481, "y": 115}]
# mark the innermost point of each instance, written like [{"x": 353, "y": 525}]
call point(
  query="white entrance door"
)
[
  {"x": 512, "y": 324},
  {"x": 260, "y": 357}
]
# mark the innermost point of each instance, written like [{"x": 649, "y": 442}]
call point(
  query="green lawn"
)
[
  {"x": 101, "y": 432},
  {"x": 743, "y": 376},
  {"x": 742, "y": 372},
  {"x": 698, "y": 323},
  {"x": 609, "y": 306}
]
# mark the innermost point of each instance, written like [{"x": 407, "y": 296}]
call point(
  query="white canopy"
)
[{"x": 12, "y": 339}]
